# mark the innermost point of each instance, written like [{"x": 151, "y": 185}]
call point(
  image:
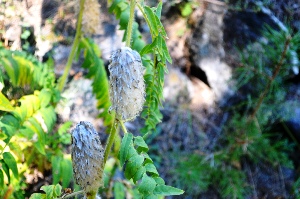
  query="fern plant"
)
[{"x": 28, "y": 99}]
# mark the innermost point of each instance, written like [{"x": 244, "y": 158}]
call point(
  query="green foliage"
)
[
  {"x": 51, "y": 192},
  {"x": 155, "y": 70},
  {"x": 5, "y": 104},
  {"x": 194, "y": 173},
  {"x": 62, "y": 170},
  {"x": 26, "y": 72},
  {"x": 139, "y": 166},
  {"x": 29, "y": 96},
  {"x": 97, "y": 73}
]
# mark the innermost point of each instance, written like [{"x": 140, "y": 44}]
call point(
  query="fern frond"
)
[
  {"x": 95, "y": 66},
  {"x": 25, "y": 71},
  {"x": 34, "y": 117}
]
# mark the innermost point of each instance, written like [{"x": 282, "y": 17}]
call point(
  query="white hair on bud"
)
[
  {"x": 127, "y": 86},
  {"x": 87, "y": 157}
]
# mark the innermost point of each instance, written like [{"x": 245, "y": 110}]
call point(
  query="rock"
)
[
  {"x": 177, "y": 88},
  {"x": 78, "y": 103},
  {"x": 207, "y": 51}
]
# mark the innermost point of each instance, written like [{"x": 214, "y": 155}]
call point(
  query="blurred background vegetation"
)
[{"x": 231, "y": 115}]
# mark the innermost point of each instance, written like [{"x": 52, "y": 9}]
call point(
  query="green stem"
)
[
  {"x": 123, "y": 127},
  {"x": 111, "y": 139},
  {"x": 130, "y": 23},
  {"x": 63, "y": 78}
]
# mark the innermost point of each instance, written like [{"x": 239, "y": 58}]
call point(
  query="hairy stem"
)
[
  {"x": 130, "y": 23},
  {"x": 111, "y": 139},
  {"x": 275, "y": 73},
  {"x": 63, "y": 79}
]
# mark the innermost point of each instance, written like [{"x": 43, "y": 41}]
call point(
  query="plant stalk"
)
[
  {"x": 130, "y": 23},
  {"x": 111, "y": 139},
  {"x": 63, "y": 79},
  {"x": 123, "y": 127}
]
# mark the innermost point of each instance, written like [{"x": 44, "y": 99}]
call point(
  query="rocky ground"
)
[{"x": 197, "y": 87}]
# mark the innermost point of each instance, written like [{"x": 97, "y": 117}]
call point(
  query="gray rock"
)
[
  {"x": 78, "y": 103},
  {"x": 208, "y": 51}
]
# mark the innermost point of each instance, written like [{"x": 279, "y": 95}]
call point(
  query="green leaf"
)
[
  {"x": 55, "y": 162},
  {"x": 151, "y": 169},
  {"x": 52, "y": 191},
  {"x": 124, "y": 18},
  {"x": 11, "y": 68},
  {"x": 25, "y": 34},
  {"x": 152, "y": 196},
  {"x": 5, "y": 104},
  {"x": 148, "y": 48},
  {"x": 57, "y": 190},
  {"x": 158, "y": 10},
  {"x": 147, "y": 158},
  {"x": 1, "y": 179},
  {"x": 114, "y": 5},
  {"x": 119, "y": 190},
  {"x": 187, "y": 9},
  {"x": 11, "y": 163},
  {"x": 3, "y": 136},
  {"x": 166, "y": 51},
  {"x": 133, "y": 165},
  {"x": 40, "y": 147},
  {"x": 66, "y": 172},
  {"x": 15, "y": 148},
  {"x": 147, "y": 185},
  {"x": 64, "y": 137},
  {"x": 167, "y": 190},
  {"x": 5, "y": 169},
  {"x": 46, "y": 118},
  {"x": 151, "y": 20},
  {"x": 141, "y": 144},
  {"x": 40, "y": 144},
  {"x": 45, "y": 97},
  {"x": 38, "y": 196},
  {"x": 159, "y": 180},
  {"x": 139, "y": 174},
  {"x": 126, "y": 141}
]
